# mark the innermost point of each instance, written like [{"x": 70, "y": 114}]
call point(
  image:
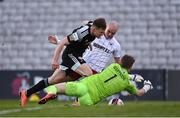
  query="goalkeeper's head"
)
[{"x": 127, "y": 62}]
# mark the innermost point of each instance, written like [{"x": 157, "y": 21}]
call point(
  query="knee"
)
[
  {"x": 53, "y": 80},
  {"x": 85, "y": 73},
  {"x": 84, "y": 70},
  {"x": 88, "y": 73},
  {"x": 50, "y": 81},
  {"x": 57, "y": 77}
]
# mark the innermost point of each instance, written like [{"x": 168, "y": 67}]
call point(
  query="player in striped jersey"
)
[{"x": 75, "y": 43}]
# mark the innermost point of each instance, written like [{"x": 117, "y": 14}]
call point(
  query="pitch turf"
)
[{"x": 63, "y": 109}]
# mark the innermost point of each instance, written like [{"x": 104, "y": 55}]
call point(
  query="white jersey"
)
[{"x": 102, "y": 51}]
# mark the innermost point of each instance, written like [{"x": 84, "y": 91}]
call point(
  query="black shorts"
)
[{"x": 70, "y": 62}]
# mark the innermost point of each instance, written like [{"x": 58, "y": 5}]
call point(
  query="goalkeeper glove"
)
[
  {"x": 147, "y": 85},
  {"x": 136, "y": 77}
]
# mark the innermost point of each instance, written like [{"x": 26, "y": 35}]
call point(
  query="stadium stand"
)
[{"x": 149, "y": 29}]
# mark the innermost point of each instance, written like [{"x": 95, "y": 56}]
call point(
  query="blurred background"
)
[{"x": 149, "y": 30}]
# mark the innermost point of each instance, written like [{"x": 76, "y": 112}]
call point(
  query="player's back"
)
[{"x": 110, "y": 81}]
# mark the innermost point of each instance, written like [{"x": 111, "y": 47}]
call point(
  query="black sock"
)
[{"x": 39, "y": 86}]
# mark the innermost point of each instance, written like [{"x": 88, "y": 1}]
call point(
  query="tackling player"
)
[
  {"x": 94, "y": 88},
  {"x": 75, "y": 43}
]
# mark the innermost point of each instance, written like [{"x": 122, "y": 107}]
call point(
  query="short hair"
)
[
  {"x": 100, "y": 23},
  {"x": 127, "y": 61}
]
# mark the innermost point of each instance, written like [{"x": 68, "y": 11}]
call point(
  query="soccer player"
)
[
  {"x": 94, "y": 88},
  {"x": 75, "y": 43}
]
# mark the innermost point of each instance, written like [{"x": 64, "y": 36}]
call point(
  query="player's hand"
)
[
  {"x": 54, "y": 65},
  {"x": 147, "y": 86},
  {"x": 52, "y": 39},
  {"x": 148, "y": 83},
  {"x": 137, "y": 78}
]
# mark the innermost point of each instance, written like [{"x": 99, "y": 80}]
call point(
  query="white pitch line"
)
[
  {"x": 9, "y": 111},
  {"x": 19, "y": 110}
]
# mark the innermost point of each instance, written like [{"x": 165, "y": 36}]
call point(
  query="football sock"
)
[
  {"x": 51, "y": 89},
  {"x": 39, "y": 86}
]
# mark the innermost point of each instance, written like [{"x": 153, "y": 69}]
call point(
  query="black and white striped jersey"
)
[{"x": 79, "y": 40}]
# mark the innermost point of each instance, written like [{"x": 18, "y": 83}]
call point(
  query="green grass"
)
[{"x": 55, "y": 108}]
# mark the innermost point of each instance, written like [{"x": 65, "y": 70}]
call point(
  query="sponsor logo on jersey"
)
[{"x": 101, "y": 47}]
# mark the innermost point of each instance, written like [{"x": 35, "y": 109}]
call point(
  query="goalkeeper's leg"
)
[
  {"x": 70, "y": 88},
  {"x": 51, "y": 94},
  {"x": 79, "y": 90}
]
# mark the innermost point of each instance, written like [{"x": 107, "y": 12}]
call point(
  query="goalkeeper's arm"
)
[{"x": 147, "y": 86}]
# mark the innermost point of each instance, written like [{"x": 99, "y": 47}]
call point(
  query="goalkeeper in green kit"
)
[{"x": 91, "y": 90}]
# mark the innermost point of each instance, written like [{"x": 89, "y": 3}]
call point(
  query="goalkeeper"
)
[{"x": 93, "y": 89}]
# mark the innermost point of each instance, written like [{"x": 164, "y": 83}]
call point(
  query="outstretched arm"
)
[
  {"x": 147, "y": 86},
  {"x": 57, "y": 52}
]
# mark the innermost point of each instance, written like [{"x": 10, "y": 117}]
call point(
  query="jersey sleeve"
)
[
  {"x": 78, "y": 34},
  {"x": 131, "y": 89}
]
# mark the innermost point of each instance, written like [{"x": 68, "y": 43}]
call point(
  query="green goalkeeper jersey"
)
[{"x": 112, "y": 80}]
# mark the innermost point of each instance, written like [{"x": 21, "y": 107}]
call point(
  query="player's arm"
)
[
  {"x": 147, "y": 86},
  {"x": 54, "y": 39},
  {"x": 136, "y": 77},
  {"x": 58, "y": 51},
  {"x": 117, "y": 53},
  {"x": 67, "y": 40},
  {"x": 139, "y": 92}
]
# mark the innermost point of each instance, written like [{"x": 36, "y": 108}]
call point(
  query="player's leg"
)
[
  {"x": 50, "y": 90},
  {"x": 70, "y": 88},
  {"x": 84, "y": 70},
  {"x": 58, "y": 76},
  {"x": 76, "y": 64},
  {"x": 85, "y": 100},
  {"x": 79, "y": 90},
  {"x": 70, "y": 61}
]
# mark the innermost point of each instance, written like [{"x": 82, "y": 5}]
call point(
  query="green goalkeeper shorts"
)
[{"x": 79, "y": 90}]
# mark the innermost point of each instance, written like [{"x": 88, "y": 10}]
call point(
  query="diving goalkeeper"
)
[{"x": 94, "y": 88}]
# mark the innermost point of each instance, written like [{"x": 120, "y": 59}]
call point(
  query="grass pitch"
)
[{"x": 10, "y": 108}]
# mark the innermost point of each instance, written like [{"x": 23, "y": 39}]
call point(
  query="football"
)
[{"x": 116, "y": 101}]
